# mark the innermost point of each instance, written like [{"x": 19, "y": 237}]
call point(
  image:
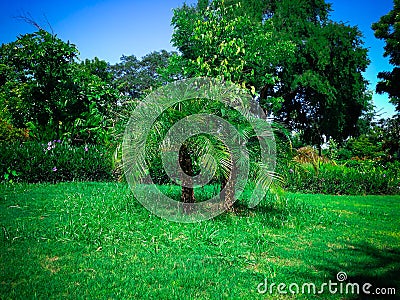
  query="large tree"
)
[
  {"x": 45, "y": 88},
  {"x": 323, "y": 88},
  {"x": 318, "y": 89},
  {"x": 388, "y": 29},
  {"x": 224, "y": 40},
  {"x": 134, "y": 77}
]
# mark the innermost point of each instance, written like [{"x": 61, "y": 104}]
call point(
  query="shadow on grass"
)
[
  {"x": 382, "y": 271},
  {"x": 365, "y": 263},
  {"x": 283, "y": 212}
]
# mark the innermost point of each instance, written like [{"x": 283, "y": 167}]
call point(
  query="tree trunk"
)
[
  {"x": 187, "y": 196},
  {"x": 227, "y": 195}
]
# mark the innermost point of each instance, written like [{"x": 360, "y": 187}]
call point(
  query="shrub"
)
[
  {"x": 54, "y": 161},
  {"x": 365, "y": 147},
  {"x": 354, "y": 178},
  {"x": 9, "y": 133}
]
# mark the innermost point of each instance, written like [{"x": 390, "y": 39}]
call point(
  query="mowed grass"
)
[{"x": 95, "y": 241}]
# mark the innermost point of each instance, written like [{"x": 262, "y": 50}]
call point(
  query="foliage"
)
[
  {"x": 204, "y": 150},
  {"x": 361, "y": 167},
  {"x": 217, "y": 41},
  {"x": 323, "y": 88},
  {"x": 317, "y": 90},
  {"x": 380, "y": 142},
  {"x": 44, "y": 89},
  {"x": 364, "y": 148},
  {"x": 388, "y": 29},
  {"x": 390, "y": 137},
  {"x": 134, "y": 78},
  {"x": 9, "y": 133},
  {"x": 308, "y": 155},
  {"x": 351, "y": 178},
  {"x": 32, "y": 68},
  {"x": 55, "y": 161}
]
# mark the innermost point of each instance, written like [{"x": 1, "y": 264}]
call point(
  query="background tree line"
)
[{"x": 305, "y": 69}]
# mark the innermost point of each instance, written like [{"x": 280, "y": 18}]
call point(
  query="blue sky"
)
[{"x": 110, "y": 28}]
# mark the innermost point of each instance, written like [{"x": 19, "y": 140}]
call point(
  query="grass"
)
[{"x": 93, "y": 240}]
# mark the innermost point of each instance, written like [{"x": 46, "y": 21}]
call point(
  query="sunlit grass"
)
[{"x": 94, "y": 240}]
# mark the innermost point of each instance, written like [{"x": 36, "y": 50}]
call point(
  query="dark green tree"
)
[
  {"x": 45, "y": 89},
  {"x": 33, "y": 70},
  {"x": 317, "y": 90},
  {"x": 222, "y": 40},
  {"x": 381, "y": 141},
  {"x": 386, "y": 133},
  {"x": 388, "y": 29},
  {"x": 323, "y": 88},
  {"x": 134, "y": 78},
  {"x": 100, "y": 68}
]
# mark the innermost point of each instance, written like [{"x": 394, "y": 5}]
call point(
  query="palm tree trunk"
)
[
  {"x": 227, "y": 195},
  {"x": 187, "y": 196}
]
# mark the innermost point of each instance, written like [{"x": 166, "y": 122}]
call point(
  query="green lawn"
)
[{"x": 93, "y": 240}]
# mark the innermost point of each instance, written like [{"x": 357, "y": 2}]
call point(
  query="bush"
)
[
  {"x": 9, "y": 133},
  {"x": 54, "y": 161},
  {"x": 352, "y": 178}
]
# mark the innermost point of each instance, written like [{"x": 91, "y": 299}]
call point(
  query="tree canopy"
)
[
  {"x": 388, "y": 29},
  {"x": 43, "y": 87},
  {"x": 304, "y": 68},
  {"x": 323, "y": 88},
  {"x": 222, "y": 40},
  {"x": 134, "y": 78}
]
